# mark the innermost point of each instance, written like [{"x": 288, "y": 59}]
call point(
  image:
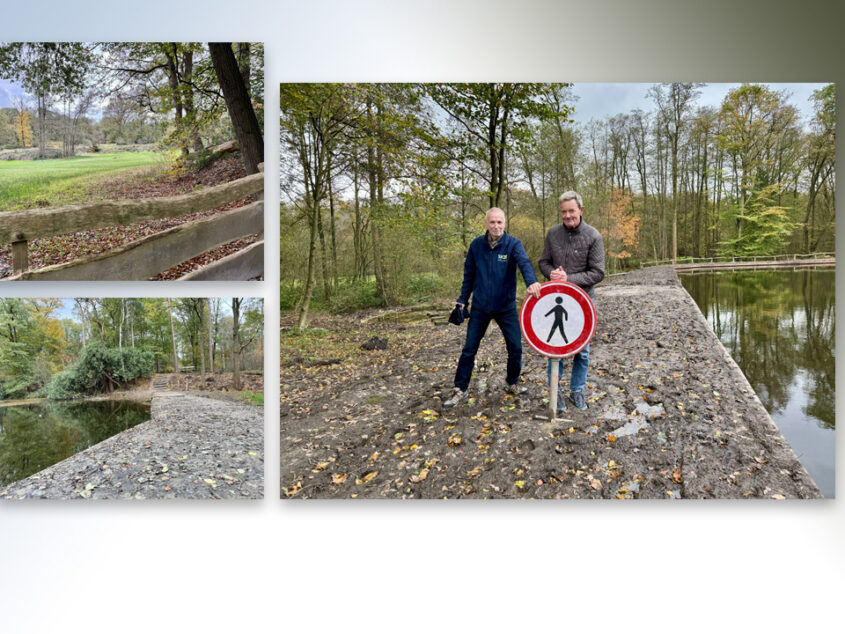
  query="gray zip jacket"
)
[{"x": 580, "y": 252}]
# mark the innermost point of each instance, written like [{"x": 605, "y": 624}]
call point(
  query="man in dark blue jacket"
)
[{"x": 490, "y": 277}]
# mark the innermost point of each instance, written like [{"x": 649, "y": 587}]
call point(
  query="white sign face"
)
[
  {"x": 557, "y": 319},
  {"x": 561, "y": 322}
]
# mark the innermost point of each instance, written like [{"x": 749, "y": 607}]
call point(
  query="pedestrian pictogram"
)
[
  {"x": 559, "y": 311},
  {"x": 561, "y": 322}
]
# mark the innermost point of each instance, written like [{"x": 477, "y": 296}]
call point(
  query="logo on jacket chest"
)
[{"x": 503, "y": 257}]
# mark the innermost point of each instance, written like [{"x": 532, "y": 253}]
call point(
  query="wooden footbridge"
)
[{"x": 795, "y": 260}]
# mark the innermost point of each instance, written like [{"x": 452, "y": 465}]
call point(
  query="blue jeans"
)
[
  {"x": 478, "y": 321},
  {"x": 580, "y": 363}
]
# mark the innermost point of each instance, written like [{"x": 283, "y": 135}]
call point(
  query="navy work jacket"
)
[{"x": 490, "y": 274}]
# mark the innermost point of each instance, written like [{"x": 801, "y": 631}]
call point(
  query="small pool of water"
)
[{"x": 35, "y": 436}]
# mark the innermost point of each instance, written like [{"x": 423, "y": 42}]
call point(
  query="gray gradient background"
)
[{"x": 433, "y": 566}]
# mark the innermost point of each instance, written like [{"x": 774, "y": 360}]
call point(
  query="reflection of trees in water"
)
[
  {"x": 37, "y": 436},
  {"x": 775, "y": 324},
  {"x": 818, "y": 357}
]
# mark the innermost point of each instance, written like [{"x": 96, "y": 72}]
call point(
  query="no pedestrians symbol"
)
[{"x": 560, "y": 323}]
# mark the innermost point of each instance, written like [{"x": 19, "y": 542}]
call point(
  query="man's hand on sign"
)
[
  {"x": 534, "y": 290},
  {"x": 558, "y": 275},
  {"x": 459, "y": 305}
]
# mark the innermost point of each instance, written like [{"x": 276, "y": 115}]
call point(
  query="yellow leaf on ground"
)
[
  {"x": 338, "y": 478},
  {"x": 422, "y": 475},
  {"x": 366, "y": 477}
]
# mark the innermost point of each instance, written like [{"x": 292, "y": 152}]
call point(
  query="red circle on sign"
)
[{"x": 580, "y": 342}]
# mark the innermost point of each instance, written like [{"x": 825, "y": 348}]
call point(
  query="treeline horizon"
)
[{"x": 384, "y": 185}]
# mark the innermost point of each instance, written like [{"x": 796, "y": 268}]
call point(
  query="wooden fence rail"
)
[
  {"x": 741, "y": 259},
  {"x": 148, "y": 256}
]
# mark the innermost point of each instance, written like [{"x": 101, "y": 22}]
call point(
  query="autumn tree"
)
[
  {"x": 312, "y": 119},
  {"x": 46, "y": 70},
  {"x": 674, "y": 102},
  {"x": 752, "y": 118},
  {"x": 495, "y": 117},
  {"x": 818, "y": 218},
  {"x": 23, "y": 126},
  {"x": 620, "y": 227}
]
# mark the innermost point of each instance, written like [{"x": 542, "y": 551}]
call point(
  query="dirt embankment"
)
[{"x": 670, "y": 415}]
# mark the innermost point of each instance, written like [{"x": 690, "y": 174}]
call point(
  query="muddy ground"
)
[{"x": 670, "y": 414}]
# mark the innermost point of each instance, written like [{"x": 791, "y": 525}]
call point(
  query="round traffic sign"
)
[{"x": 560, "y": 323}]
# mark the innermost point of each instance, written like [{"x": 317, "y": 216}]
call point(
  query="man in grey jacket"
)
[{"x": 574, "y": 253}]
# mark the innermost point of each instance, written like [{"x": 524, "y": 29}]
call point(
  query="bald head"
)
[{"x": 494, "y": 220}]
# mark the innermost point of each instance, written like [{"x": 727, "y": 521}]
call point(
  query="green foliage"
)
[
  {"x": 349, "y": 296},
  {"x": 766, "y": 226},
  {"x": 254, "y": 398},
  {"x": 31, "y": 343},
  {"x": 100, "y": 368}
]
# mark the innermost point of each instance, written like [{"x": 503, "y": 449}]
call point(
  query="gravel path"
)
[
  {"x": 193, "y": 448},
  {"x": 670, "y": 416}
]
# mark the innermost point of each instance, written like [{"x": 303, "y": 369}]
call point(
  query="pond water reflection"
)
[
  {"x": 779, "y": 326},
  {"x": 33, "y": 437}
]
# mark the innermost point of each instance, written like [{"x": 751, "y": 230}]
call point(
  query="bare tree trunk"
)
[
  {"x": 173, "y": 79},
  {"x": 210, "y": 337},
  {"x": 309, "y": 275},
  {"x": 188, "y": 89},
  {"x": 239, "y": 105},
  {"x": 243, "y": 63},
  {"x": 236, "y": 344},
  {"x": 173, "y": 338}
]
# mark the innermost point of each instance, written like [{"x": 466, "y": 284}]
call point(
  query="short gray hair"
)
[
  {"x": 487, "y": 213},
  {"x": 570, "y": 195}
]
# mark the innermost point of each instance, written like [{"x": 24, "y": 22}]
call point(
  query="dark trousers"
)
[{"x": 478, "y": 321}]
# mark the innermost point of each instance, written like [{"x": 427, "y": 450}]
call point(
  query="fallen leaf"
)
[
  {"x": 422, "y": 475},
  {"x": 339, "y": 478},
  {"x": 366, "y": 477}
]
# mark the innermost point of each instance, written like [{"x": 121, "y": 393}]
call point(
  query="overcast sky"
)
[
  {"x": 597, "y": 101},
  {"x": 7, "y": 92}
]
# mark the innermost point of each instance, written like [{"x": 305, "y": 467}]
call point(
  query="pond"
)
[
  {"x": 35, "y": 436},
  {"x": 779, "y": 326}
]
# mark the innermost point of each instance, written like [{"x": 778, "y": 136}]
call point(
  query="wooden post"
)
[
  {"x": 553, "y": 386},
  {"x": 20, "y": 256}
]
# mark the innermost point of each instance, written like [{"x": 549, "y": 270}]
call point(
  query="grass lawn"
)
[{"x": 27, "y": 184}]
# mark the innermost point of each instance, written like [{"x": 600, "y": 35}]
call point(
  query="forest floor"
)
[
  {"x": 192, "y": 448},
  {"x": 670, "y": 414},
  {"x": 130, "y": 184}
]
